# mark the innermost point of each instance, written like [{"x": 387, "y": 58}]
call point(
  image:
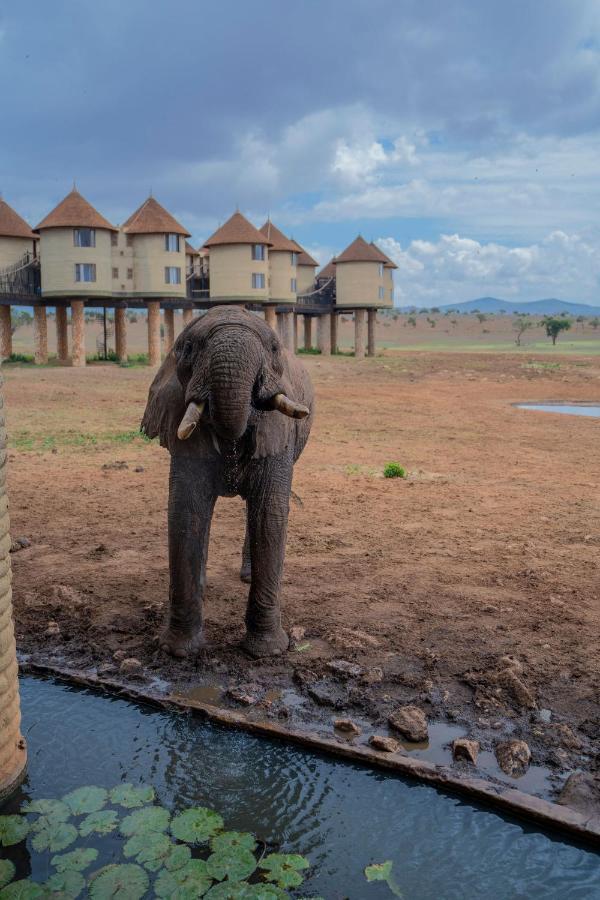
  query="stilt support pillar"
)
[
  {"x": 371, "y": 325},
  {"x": 5, "y": 332},
  {"x": 169, "y": 316},
  {"x": 78, "y": 333},
  {"x": 188, "y": 315},
  {"x": 271, "y": 317},
  {"x": 121, "y": 333},
  {"x": 307, "y": 332},
  {"x": 334, "y": 332},
  {"x": 40, "y": 335},
  {"x": 153, "y": 307},
  {"x": 359, "y": 333},
  {"x": 62, "y": 335},
  {"x": 324, "y": 334}
]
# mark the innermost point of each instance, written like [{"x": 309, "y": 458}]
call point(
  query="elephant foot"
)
[
  {"x": 246, "y": 574},
  {"x": 265, "y": 643},
  {"x": 182, "y": 643}
]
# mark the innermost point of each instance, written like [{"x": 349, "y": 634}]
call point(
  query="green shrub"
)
[
  {"x": 20, "y": 358},
  {"x": 394, "y": 470}
]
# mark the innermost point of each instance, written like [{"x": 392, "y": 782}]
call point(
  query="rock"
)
[
  {"x": 139, "y": 469},
  {"x": 372, "y": 676},
  {"x": 305, "y": 676},
  {"x": 297, "y": 633},
  {"x": 321, "y": 693},
  {"x": 544, "y": 715},
  {"x": 567, "y": 738},
  {"x": 106, "y": 668},
  {"x": 242, "y": 695},
  {"x": 21, "y": 543},
  {"x": 64, "y": 594},
  {"x": 119, "y": 655},
  {"x": 347, "y": 726},
  {"x": 513, "y": 757},
  {"x": 582, "y": 792},
  {"x": 511, "y": 662},
  {"x": 464, "y": 748},
  {"x": 517, "y": 689},
  {"x": 383, "y": 743},
  {"x": 53, "y": 629},
  {"x": 118, "y": 464},
  {"x": 410, "y": 721},
  {"x": 130, "y": 666},
  {"x": 344, "y": 668}
]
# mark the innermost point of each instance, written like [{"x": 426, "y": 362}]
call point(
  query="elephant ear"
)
[
  {"x": 165, "y": 406},
  {"x": 274, "y": 433}
]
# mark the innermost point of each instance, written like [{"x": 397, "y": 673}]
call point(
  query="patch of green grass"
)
[
  {"x": 394, "y": 470},
  {"x": 314, "y": 351},
  {"x": 32, "y": 441},
  {"x": 536, "y": 364},
  {"x": 353, "y": 469}
]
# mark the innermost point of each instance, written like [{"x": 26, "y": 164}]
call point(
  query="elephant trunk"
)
[{"x": 234, "y": 367}]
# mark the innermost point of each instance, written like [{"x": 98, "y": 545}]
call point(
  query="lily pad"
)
[
  {"x": 102, "y": 822},
  {"x": 86, "y": 800},
  {"x": 284, "y": 868},
  {"x": 131, "y": 797},
  {"x": 67, "y": 884},
  {"x": 54, "y": 836},
  {"x": 7, "y": 871},
  {"x": 145, "y": 821},
  {"x": 13, "y": 830},
  {"x": 233, "y": 863},
  {"x": 49, "y": 809},
  {"x": 76, "y": 860},
  {"x": 119, "y": 882},
  {"x": 150, "y": 850},
  {"x": 188, "y": 882},
  {"x": 179, "y": 856},
  {"x": 383, "y": 872},
  {"x": 230, "y": 890},
  {"x": 195, "y": 826},
  {"x": 22, "y": 890},
  {"x": 229, "y": 839}
]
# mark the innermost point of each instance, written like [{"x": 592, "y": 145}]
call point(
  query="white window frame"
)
[
  {"x": 382, "y": 293},
  {"x": 78, "y": 232},
  {"x": 258, "y": 279},
  {"x": 258, "y": 252},
  {"x": 294, "y": 285},
  {"x": 83, "y": 269},
  {"x": 294, "y": 259},
  {"x": 381, "y": 270},
  {"x": 172, "y": 243},
  {"x": 172, "y": 275}
]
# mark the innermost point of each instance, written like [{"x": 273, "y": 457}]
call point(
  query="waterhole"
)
[{"x": 571, "y": 409}]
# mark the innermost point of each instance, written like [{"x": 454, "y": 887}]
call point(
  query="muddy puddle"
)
[
  {"x": 341, "y": 816},
  {"x": 571, "y": 409}
]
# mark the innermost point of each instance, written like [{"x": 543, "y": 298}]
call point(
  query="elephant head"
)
[{"x": 226, "y": 368}]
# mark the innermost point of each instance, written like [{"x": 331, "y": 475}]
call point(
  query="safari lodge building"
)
[{"x": 75, "y": 258}]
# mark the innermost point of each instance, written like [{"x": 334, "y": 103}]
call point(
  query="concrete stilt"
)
[
  {"x": 334, "y": 332},
  {"x": 62, "y": 334},
  {"x": 359, "y": 333},
  {"x": 271, "y": 317},
  {"x": 121, "y": 333},
  {"x": 324, "y": 334},
  {"x": 307, "y": 332},
  {"x": 5, "y": 332},
  {"x": 153, "y": 307},
  {"x": 188, "y": 315},
  {"x": 169, "y": 317},
  {"x": 295, "y": 333},
  {"x": 40, "y": 335},
  {"x": 78, "y": 333},
  {"x": 288, "y": 330},
  {"x": 371, "y": 323}
]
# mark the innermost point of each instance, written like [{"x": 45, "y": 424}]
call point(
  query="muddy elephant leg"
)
[
  {"x": 246, "y": 569},
  {"x": 191, "y": 504},
  {"x": 268, "y": 504}
]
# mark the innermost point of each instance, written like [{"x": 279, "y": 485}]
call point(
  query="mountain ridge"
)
[{"x": 544, "y": 307}]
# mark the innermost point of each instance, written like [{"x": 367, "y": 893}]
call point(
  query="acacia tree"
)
[
  {"x": 521, "y": 325},
  {"x": 554, "y": 326}
]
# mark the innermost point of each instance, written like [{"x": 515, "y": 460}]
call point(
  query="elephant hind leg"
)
[{"x": 246, "y": 569}]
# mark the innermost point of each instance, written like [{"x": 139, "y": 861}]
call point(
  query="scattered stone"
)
[
  {"x": 120, "y": 655},
  {"x": 511, "y": 662},
  {"x": 372, "y": 676},
  {"x": 410, "y": 721},
  {"x": 566, "y": 737},
  {"x": 544, "y": 715},
  {"x": 139, "y": 469},
  {"x": 305, "y": 676},
  {"x": 320, "y": 692},
  {"x": 347, "y": 726},
  {"x": 106, "y": 668},
  {"x": 63, "y": 594},
  {"x": 53, "y": 629},
  {"x": 21, "y": 543},
  {"x": 464, "y": 748},
  {"x": 517, "y": 689},
  {"x": 348, "y": 639},
  {"x": 383, "y": 743},
  {"x": 130, "y": 666},
  {"x": 513, "y": 757},
  {"x": 344, "y": 668},
  {"x": 582, "y": 792},
  {"x": 240, "y": 695},
  {"x": 118, "y": 464},
  {"x": 297, "y": 633}
]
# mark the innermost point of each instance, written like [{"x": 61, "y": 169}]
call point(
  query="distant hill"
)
[{"x": 546, "y": 307}]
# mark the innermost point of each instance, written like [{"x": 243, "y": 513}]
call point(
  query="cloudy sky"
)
[{"x": 464, "y": 136}]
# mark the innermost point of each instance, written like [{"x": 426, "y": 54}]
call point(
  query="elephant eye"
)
[
  {"x": 274, "y": 348},
  {"x": 187, "y": 349}
]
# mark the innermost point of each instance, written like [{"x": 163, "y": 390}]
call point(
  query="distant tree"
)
[
  {"x": 431, "y": 322},
  {"x": 580, "y": 321},
  {"x": 554, "y": 326},
  {"x": 595, "y": 322},
  {"x": 453, "y": 322},
  {"x": 521, "y": 325},
  {"x": 424, "y": 312},
  {"x": 481, "y": 317},
  {"x": 412, "y": 320},
  {"x": 21, "y": 318},
  {"x": 435, "y": 309}
]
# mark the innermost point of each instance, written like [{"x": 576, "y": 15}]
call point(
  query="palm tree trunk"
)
[{"x": 13, "y": 755}]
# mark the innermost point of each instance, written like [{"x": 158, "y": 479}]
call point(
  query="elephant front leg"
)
[
  {"x": 268, "y": 504},
  {"x": 246, "y": 568},
  {"x": 191, "y": 504}
]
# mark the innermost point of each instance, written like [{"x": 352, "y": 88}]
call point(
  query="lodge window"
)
[
  {"x": 293, "y": 285},
  {"x": 172, "y": 243},
  {"x": 172, "y": 275},
  {"x": 84, "y": 237},
  {"x": 258, "y": 251},
  {"x": 114, "y": 239},
  {"x": 294, "y": 259},
  {"x": 381, "y": 270},
  {"x": 115, "y": 272},
  {"x": 85, "y": 271},
  {"x": 258, "y": 279},
  {"x": 381, "y": 293},
  {"x": 130, "y": 273},
  {"x": 391, "y": 293},
  {"x": 129, "y": 240}
]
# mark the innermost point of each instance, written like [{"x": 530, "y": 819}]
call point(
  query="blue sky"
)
[{"x": 463, "y": 136}]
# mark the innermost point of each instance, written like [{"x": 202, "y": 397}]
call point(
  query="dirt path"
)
[{"x": 489, "y": 547}]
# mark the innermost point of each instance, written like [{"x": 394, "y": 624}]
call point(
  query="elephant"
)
[{"x": 235, "y": 410}]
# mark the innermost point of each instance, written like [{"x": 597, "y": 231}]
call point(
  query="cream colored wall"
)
[
  {"x": 231, "y": 268},
  {"x": 388, "y": 283},
  {"x": 121, "y": 258},
  {"x": 12, "y": 249},
  {"x": 149, "y": 261},
  {"x": 306, "y": 278},
  {"x": 59, "y": 255},
  {"x": 358, "y": 283},
  {"x": 281, "y": 272}
]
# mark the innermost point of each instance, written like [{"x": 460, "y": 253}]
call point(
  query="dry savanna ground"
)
[{"x": 489, "y": 547}]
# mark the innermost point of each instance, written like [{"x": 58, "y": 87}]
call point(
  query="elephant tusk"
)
[
  {"x": 289, "y": 407},
  {"x": 190, "y": 420}
]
